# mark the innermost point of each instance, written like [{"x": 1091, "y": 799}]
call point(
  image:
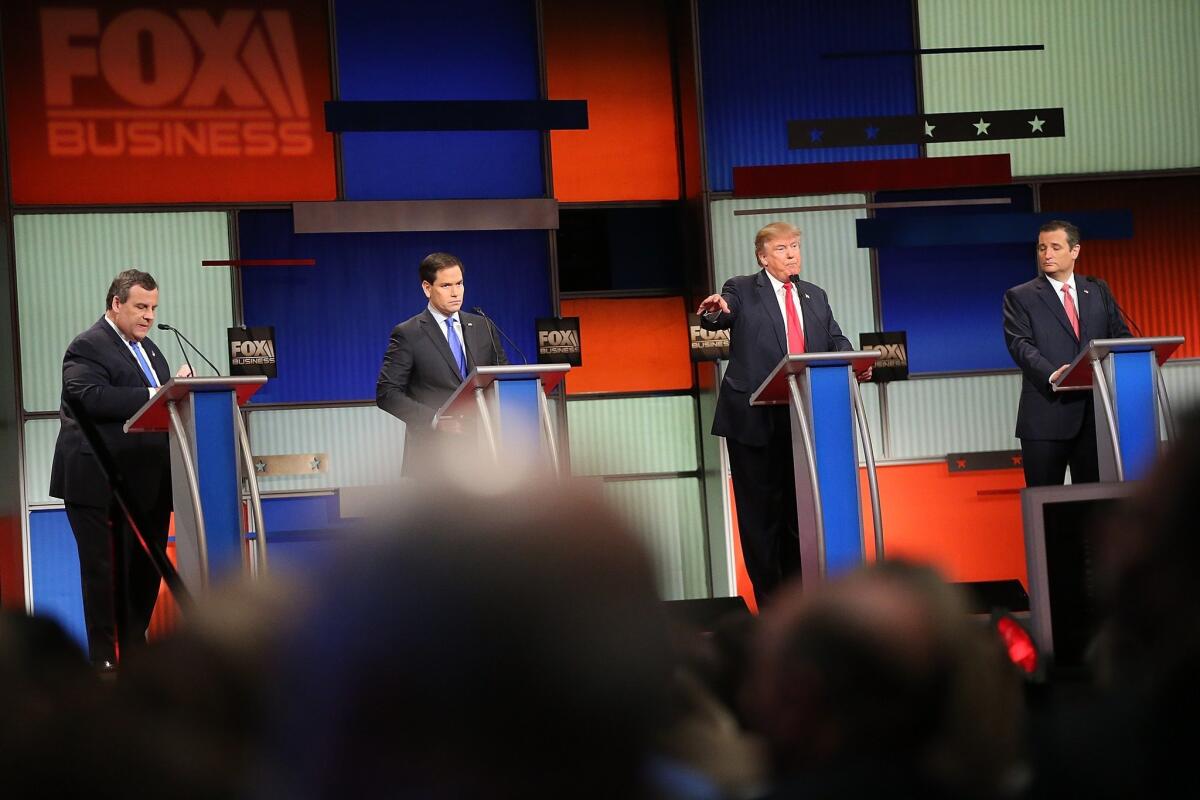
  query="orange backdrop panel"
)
[
  {"x": 211, "y": 101},
  {"x": 1156, "y": 274},
  {"x": 967, "y": 525},
  {"x": 616, "y": 56},
  {"x": 630, "y": 345}
]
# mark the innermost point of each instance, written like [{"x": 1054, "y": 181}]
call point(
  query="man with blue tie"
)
[
  {"x": 112, "y": 369},
  {"x": 1047, "y": 322},
  {"x": 429, "y": 355}
]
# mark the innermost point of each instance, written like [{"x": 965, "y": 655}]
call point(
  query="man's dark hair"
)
[
  {"x": 1064, "y": 226},
  {"x": 124, "y": 282},
  {"x": 436, "y": 261}
]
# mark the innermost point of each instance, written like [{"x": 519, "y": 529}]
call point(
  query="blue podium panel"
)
[
  {"x": 1137, "y": 414},
  {"x": 519, "y": 421},
  {"x": 216, "y": 467},
  {"x": 837, "y": 466},
  {"x": 54, "y": 564}
]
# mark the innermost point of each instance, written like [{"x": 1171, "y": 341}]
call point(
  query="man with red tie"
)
[
  {"x": 769, "y": 314},
  {"x": 1047, "y": 322}
]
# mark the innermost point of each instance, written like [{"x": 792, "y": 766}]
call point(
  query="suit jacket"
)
[
  {"x": 1040, "y": 339},
  {"x": 757, "y": 343},
  {"x": 419, "y": 372},
  {"x": 100, "y": 370}
]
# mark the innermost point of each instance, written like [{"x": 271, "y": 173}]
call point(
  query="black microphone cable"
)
[
  {"x": 180, "y": 335},
  {"x": 492, "y": 324}
]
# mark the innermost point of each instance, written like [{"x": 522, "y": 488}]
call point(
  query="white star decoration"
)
[
  {"x": 1036, "y": 124},
  {"x": 315, "y": 464},
  {"x": 260, "y": 466},
  {"x": 929, "y": 129},
  {"x": 981, "y": 127}
]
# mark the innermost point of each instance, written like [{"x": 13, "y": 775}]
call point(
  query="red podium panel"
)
[{"x": 153, "y": 417}]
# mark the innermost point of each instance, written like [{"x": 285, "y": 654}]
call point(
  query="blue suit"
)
[
  {"x": 1040, "y": 338},
  {"x": 759, "y": 438}
]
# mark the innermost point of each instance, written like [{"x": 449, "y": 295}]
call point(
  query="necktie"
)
[
  {"x": 1072, "y": 314},
  {"x": 141, "y": 359},
  {"x": 456, "y": 347},
  {"x": 795, "y": 332}
]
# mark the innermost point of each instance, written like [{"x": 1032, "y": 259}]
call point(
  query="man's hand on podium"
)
[
  {"x": 865, "y": 375},
  {"x": 184, "y": 372},
  {"x": 1054, "y": 375}
]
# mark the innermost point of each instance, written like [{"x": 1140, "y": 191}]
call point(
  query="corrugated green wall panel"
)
[
  {"x": 40, "y": 435},
  {"x": 632, "y": 435},
  {"x": 1126, "y": 74},
  {"x": 935, "y": 416},
  {"x": 830, "y": 255},
  {"x": 65, "y": 263},
  {"x": 666, "y": 514},
  {"x": 1183, "y": 386},
  {"x": 365, "y": 445}
]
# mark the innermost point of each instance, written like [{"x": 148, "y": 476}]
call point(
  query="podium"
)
[
  {"x": 510, "y": 405},
  {"x": 822, "y": 392},
  {"x": 201, "y": 418},
  {"x": 1128, "y": 389}
]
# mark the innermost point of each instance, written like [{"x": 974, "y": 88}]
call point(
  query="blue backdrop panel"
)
[
  {"x": 54, "y": 560},
  {"x": 948, "y": 298},
  {"x": 332, "y": 321},
  {"x": 986, "y": 228},
  {"x": 459, "y": 50},
  {"x": 762, "y": 64}
]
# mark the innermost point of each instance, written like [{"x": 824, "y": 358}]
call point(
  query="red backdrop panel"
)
[
  {"x": 616, "y": 56},
  {"x": 630, "y": 345},
  {"x": 212, "y": 101},
  {"x": 1156, "y": 274}
]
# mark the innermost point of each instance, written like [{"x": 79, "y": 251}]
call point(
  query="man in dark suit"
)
[
  {"x": 769, "y": 314},
  {"x": 1047, "y": 322},
  {"x": 112, "y": 369},
  {"x": 429, "y": 355}
]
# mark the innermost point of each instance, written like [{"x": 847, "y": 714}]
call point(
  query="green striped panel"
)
[
  {"x": 1126, "y": 74},
  {"x": 632, "y": 435},
  {"x": 65, "y": 263},
  {"x": 665, "y": 513}
]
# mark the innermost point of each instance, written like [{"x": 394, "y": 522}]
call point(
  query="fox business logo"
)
[
  {"x": 183, "y": 83},
  {"x": 247, "y": 352},
  {"x": 707, "y": 345},
  {"x": 892, "y": 355},
  {"x": 558, "y": 342}
]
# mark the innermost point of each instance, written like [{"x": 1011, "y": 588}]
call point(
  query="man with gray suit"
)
[
  {"x": 429, "y": 355},
  {"x": 1047, "y": 322}
]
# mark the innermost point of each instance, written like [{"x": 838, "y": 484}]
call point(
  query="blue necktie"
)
[
  {"x": 149, "y": 373},
  {"x": 456, "y": 347}
]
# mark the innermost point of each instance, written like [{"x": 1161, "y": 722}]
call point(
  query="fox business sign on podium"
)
[
  {"x": 558, "y": 341},
  {"x": 893, "y": 363},
  {"x": 151, "y": 102},
  {"x": 706, "y": 345},
  {"x": 252, "y": 351}
]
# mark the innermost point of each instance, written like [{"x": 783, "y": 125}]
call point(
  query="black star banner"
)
[{"x": 960, "y": 126}]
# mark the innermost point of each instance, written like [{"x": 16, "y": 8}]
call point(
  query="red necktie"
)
[
  {"x": 1072, "y": 314},
  {"x": 795, "y": 331}
]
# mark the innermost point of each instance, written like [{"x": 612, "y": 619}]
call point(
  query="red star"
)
[
  {"x": 961, "y": 463},
  {"x": 1016, "y": 461}
]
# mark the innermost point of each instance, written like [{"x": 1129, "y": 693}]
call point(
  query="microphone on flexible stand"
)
[
  {"x": 492, "y": 325},
  {"x": 179, "y": 336}
]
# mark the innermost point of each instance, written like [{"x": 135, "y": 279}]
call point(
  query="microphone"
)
[
  {"x": 179, "y": 335},
  {"x": 1137, "y": 330},
  {"x": 492, "y": 326}
]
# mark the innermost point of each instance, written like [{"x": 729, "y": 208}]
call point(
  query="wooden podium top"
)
[
  {"x": 153, "y": 418},
  {"x": 774, "y": 390},
  {"x": 481, "y": 377},
  {"x": 1079, "y": 374}
]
